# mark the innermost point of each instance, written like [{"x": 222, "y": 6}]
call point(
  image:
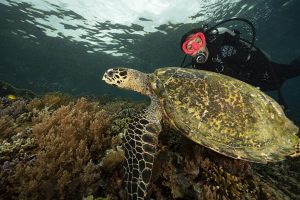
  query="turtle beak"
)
[
  {"x": 108, "y": 75},
  {"x": 104, "y": 76}
]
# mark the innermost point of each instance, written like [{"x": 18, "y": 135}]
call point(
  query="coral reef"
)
[
  {"x": 284, "y": 175},
  {"x": 13, "y": 108},
  {"x": 55, "y": 146},
  {"x": 184, "y": 170},
  {"x": 59, "y": 147},
  {"x": 50, "y": 100},
  {"x": 69, "y": 139}
]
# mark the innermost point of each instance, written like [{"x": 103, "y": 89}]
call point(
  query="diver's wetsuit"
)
[{"x": 230, "y": 56}]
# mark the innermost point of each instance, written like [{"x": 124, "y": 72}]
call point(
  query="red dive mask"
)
[{"x": 195, "y": 46}]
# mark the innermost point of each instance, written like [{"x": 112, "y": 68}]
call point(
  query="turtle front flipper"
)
[{"x": 139, "y": 142}]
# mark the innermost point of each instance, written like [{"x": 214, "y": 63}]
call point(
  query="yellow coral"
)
[{"x": 112, "y": 159}]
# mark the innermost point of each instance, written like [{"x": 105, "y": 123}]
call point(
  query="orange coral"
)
[
  {"x": 6, "y": 123},
  {"x": 68, "y": 141},
  {"x": 51, "y": 100}
]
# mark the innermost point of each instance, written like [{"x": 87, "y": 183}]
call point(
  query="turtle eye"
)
[{"x": 110, "y": 73}]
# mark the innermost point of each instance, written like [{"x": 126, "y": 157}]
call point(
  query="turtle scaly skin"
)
[
  {"x": 214, "y": 110},
  {"x": 140, "y": 138},
  {"x": 140, "y": 143}
]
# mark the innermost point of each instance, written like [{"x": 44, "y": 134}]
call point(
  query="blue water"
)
[{"x": 66, "y": 45}]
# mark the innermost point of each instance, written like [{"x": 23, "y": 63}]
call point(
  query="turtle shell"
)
[{"x": 224, "y": 114}]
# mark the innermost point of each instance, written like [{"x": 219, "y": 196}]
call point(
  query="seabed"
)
[{"x": 56, "y": 146}]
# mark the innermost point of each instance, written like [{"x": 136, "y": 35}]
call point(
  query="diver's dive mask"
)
[
  {"x": 192, "y": 46},
  {"x": 195, "y": 42}
]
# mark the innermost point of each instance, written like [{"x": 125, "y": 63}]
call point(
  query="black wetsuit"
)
[{"x": 230, "y": 56}]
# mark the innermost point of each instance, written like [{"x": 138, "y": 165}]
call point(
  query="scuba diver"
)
[{"x": 221, "y": 50}]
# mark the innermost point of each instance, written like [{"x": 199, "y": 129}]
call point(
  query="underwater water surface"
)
[{"x": 66, "y": 45}]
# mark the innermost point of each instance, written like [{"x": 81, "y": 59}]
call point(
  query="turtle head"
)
[
  {"x": 128, "y": 79},
  {"x": 117, "y": 77}
]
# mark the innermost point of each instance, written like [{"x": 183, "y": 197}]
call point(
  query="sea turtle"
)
[{"x": 214, "y": 110}]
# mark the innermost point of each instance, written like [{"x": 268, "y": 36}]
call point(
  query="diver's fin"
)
[
  {"x": 291, "y": 70},
  {"x": 286, "y": 71},
  {"x": 140, "y": 143}
]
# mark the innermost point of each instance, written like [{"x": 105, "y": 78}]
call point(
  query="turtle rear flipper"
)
[
  {"x": 297, "y": 150},
  {"x": 140, "y": 141}
]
